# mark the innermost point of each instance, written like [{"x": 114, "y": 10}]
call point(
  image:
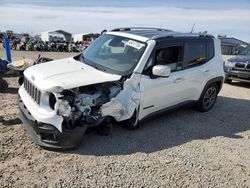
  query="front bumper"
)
[
  {"x": 47, "y": 135},
  {"x": 243, "y": 76}
]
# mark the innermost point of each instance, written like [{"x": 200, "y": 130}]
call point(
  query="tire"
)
[
  {"x": 228, "y": 81},
  {"x": 105, "y": 127},
  {"x": 20, "y": 80},
  {"x": 3, "y": 85},
  {"x": 132, "y": 123},
  {"x": 208, "y": 98}
]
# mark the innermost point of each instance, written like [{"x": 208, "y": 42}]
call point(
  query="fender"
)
[{"x": 219, "y": 80}]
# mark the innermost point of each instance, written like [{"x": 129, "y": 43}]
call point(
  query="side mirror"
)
[{"x": 161, "y": 71}]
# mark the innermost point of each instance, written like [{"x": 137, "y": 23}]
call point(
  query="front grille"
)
[
  {"x": 32, "y": 90},
  {"x": 240, "y": 65}
]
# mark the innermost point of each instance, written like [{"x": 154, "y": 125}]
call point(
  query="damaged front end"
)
[
  {"x": 80, "y": 109},
  {"x": 82, "y": 106},
  {"x": 89, "y": 90}
]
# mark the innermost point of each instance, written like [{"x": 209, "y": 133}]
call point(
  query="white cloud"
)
[{"x": 235, "y": 22}]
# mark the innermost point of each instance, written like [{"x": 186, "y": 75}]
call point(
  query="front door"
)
[{"x": 162, "y": 92}]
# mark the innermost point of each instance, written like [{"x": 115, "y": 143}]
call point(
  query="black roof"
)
[{"x": 155, "y": 33}]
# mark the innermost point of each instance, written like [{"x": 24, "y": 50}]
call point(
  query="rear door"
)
[{"x": 198, "y": 64}]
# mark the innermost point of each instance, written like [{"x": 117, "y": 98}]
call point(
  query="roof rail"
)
[
  {"x": 139, "y": 28},
  {"x": 176, "y": 34}
]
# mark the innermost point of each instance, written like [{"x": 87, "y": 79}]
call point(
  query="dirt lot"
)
[{"x": 181, "y": 149}]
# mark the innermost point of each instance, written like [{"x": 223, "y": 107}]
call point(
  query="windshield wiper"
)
[
  {"x": 98, "y": 68},
  {"x": 82, "y": 58},
  {"x": 91, "y": 64}
]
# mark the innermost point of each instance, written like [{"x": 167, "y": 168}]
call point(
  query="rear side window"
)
[{"x": 198, "y": 52}]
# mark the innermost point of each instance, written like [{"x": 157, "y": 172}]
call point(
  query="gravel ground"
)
[{"x": 184, "y": 148}]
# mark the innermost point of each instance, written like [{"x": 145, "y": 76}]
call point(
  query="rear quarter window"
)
[{"x": 210, "y": 50}]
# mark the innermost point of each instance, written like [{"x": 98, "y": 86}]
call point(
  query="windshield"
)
[
  {"x": 245, "y": 51},
  {"x": 114, "y": 54}
]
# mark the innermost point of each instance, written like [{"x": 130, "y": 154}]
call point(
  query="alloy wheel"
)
[{"x": 209, "y": 97}]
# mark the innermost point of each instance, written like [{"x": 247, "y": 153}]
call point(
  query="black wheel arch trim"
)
[{"x": 219, "y": 79}]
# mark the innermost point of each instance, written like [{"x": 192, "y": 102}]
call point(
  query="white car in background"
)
[{"x": 126, "y": 75}]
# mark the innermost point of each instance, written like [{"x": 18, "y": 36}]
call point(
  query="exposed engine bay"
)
[{"x": 83, "y": 105}]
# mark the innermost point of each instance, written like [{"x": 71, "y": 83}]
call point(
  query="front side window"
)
[
  {"x": 171, "y": 56},
  {"x": 114, "y": 54}
]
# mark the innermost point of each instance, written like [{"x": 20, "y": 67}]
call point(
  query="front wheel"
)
[
  {"x": 105, "y": 127},
  {"x": 208, "y": 98},
  {"x": 133, "y": 122},
  {"x": 20, "y": 80}
]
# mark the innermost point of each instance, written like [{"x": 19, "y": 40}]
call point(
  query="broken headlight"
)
[
  {"x": 52, "y": 100},
  {"x": 63, "y": 108}
]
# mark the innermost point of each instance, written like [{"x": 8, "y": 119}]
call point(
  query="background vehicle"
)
[
  {"x": 21, "y": 65},
  {"x": 126, "y": 75},
  {"x": 238, "y": 67},
  {"x": 3, "y": 69}
]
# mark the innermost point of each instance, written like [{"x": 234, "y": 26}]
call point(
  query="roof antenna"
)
[
  {"x": 192, "y": 30},
  {"x": 103, "y": 31}
]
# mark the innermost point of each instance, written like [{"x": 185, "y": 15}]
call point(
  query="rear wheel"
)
[{"x": 208, "y": 98}]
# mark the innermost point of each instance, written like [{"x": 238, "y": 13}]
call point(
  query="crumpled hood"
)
[
  {"x": 240, "y": 58},
  {"x": 67, "y": 74}
]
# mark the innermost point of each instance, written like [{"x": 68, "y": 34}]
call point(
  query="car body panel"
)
[
  {"x": 184, "y": 85},
  {"x": 239, "y": 69},
  {"x": 40, "y": 114},
  {"x": 128, "y": 35},
  {"x": 66, "y": 73},
  {"x": 240, "y": 58},
  {"x": 138, "y": 91}
]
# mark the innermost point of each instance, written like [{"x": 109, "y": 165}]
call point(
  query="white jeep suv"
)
[{"x": 126, "y": 75}]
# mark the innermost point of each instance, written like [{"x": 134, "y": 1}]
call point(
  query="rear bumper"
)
[{"x": 47, "y": 135}]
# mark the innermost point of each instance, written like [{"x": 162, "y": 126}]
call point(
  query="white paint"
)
[
  {"x": 141, "y": 64},
  {"x": 128, "y": 35},
  {"x": 180, "y": 86},
  {"x": 40, "y": 114},
  {"x": 67, "y": 74},
  {"x": 138, "y": 90},
  {"x": 124, "y": 104}
]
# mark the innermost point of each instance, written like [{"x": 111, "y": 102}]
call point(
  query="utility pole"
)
[{"x": 7, "y": 49}]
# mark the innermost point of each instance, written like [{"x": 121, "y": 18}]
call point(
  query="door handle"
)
[{"x": 178, "y": 80}]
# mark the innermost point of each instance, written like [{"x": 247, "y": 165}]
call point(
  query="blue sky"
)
[
  {"x": 215, "y": 16},
  {"x": 133, "y": 3}
]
